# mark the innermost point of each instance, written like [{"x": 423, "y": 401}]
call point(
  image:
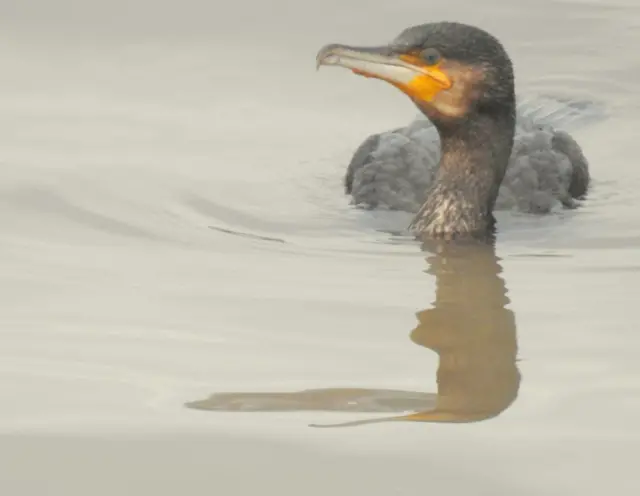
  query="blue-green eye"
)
[{"x": 431, "y": 56}]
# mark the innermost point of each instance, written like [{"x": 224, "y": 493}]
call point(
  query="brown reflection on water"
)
[{"x": 468, "y": 327}]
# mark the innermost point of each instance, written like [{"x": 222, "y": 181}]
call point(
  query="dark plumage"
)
[
  {"x": 461, "y": 79},
  {"x": 547, "y": 169}
]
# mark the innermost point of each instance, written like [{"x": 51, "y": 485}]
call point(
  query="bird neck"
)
[{"x": 474, "y": 157}]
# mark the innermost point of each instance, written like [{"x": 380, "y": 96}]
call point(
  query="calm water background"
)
[{"x": 131, "y": 128}]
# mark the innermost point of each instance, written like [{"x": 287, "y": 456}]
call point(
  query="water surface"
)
[{"x": 174, "y": 227}]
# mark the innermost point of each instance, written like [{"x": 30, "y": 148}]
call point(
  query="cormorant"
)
[{"x": 461, "y": 78}]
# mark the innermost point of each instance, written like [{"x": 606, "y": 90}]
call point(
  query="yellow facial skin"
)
[
  {"x": 425, "y": 86},
  {"x": 445, "y": 90},
  {"x": 407, "y": 72}
]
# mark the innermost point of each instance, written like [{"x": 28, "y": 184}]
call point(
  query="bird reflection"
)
[{"x": 468, "y": 327}]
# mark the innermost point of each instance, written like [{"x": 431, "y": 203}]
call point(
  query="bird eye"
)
[{"x": 431, "y": 56}]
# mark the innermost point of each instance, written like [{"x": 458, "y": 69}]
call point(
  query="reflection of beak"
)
[{"x": 406, "y": 72}]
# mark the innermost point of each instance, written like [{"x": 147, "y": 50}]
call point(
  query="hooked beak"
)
[{"x": 405, "y": 71}]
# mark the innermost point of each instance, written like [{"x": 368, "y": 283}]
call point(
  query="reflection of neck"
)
[
  {"x": 474, "y": 157},
  {"x": 467, "y": 275},
  {"x": 473, "y": 333}
]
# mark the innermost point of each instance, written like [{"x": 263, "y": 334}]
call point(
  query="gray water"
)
[{"x": 175, "y": 235}]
